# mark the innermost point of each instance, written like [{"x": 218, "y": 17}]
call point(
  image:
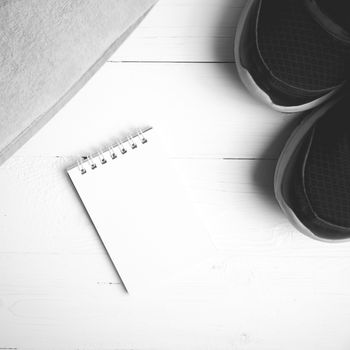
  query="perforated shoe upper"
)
[
  {"x": 316, "y": 183},
  {"x": 297, "y": 50},
  {"x": 288, "y": 55}
]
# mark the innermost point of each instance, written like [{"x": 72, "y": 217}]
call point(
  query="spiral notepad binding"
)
[{"x": 102, "y": 157}]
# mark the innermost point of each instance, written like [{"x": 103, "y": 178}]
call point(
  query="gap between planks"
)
[{"x": 172, "y": 62}]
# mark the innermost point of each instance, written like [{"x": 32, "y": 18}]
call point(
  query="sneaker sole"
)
[{"x": 249, "y": 82}]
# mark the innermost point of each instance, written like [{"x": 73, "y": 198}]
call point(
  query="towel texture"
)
[{"x": 48, "y": 51}]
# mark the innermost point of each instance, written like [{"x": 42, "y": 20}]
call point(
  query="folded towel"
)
[{"x": 48, "y": 51}]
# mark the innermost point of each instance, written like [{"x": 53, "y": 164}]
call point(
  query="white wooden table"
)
[{"x": 269, "y": 287}]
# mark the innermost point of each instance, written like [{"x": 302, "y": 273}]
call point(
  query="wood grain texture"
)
[
  {"x": 180, "y": 30},
  {"x": 266, "y": 280},
  {"x": 202, "y": 110},
  {"x": 268, "y": 287}
]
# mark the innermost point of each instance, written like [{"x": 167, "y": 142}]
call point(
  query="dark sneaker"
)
[
  {"x": 293, "y": 54},
  {"x": 312, "y": 178}
]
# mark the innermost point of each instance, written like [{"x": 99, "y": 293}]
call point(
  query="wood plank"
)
[
  {"x": 59, "y": 291},
  {"x": 41, "y": 213},
  {"x": 201, "y": 109},
  {"x": 57, "y": 302},
  {"x": 191, "y": 30}
]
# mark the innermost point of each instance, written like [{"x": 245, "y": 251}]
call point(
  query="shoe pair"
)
[{"x": 294, "y": 55}]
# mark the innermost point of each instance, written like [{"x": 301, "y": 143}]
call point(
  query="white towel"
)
[{"x": 48, "y": 51}]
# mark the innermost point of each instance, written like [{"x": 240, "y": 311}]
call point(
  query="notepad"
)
[{"x": 142, "y": 213}]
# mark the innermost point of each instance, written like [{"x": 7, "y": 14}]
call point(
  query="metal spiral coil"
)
[{"x": 102, "y": 157}]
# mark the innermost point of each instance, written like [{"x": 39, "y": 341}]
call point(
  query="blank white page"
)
[{"x": 142, "y": 214}]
